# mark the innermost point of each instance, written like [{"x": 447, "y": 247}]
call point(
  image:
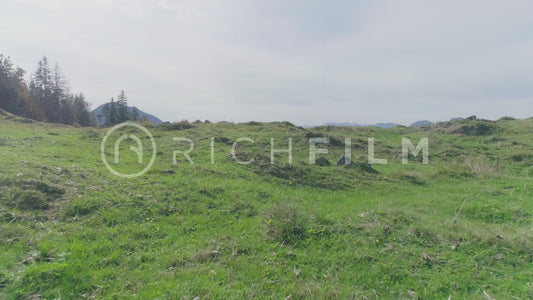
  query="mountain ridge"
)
[{"x": 100, "y": 119}]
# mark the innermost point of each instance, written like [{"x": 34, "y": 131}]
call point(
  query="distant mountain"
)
[
  {"x": 421, "y": 123},
  {"x": 382, "y": 125},
  {"x": 100, "y": 119},
  {"x": 346, "y": 124}
]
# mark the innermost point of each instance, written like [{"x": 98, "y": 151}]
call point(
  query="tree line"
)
[
  {"x": 117, "y": 111},
  {"x": 46, "y": 97}
]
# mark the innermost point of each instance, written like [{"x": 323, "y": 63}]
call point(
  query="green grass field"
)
[{"x": 459, "y": 227}]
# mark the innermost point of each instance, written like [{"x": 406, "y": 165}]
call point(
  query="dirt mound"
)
[
  {"x": 29, "y": 194},
  {"x": 467, "y": 127}
]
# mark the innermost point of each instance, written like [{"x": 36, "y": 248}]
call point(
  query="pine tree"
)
[
  {"x": 112, "y": 117},
  {"x": 122, "y": 108},
  {"x": 66, "y": 114},
  {"x": 135, "y": 113},
  {"x": 82, "y": 115},
  {"x": 104, "y": 116},
  {"x": 41, "y": 83},
  {"x": 45, "y": 98},
  {"x": 42, "y": 91},
  {"x": 35, "y": 108},
  {"x": 61, "y": 95},
  {"x": 13, "y": 88}
]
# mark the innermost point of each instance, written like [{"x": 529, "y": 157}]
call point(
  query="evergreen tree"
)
[
  {"x": 135, "y": 115},
  {"x": 35, "y": 110},
  {"x": 82, "y": 115},
  {"x": 112, "y": 117},
  {"x": 13, "y": 89},
  {"x": 116, "y": 112},
  {"x": 122, "y": 108},
  {"x": 46, "y": 98},
  {"x": 41, "y": 91},
  {"x": 61, "y": 96},
  {"x": 104, "y": 116},
  {"x": 66, "y": 114}
]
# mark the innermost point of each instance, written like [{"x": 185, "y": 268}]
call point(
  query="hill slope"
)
[
  {"x": 421, "y": 123},
  {"x": 381, "y": 125},
  {"x": 459, "y": 226},
  {"x": 101, "y": 119}
]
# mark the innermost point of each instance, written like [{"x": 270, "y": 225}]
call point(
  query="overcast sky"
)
[{"x": 304, "y": 61}]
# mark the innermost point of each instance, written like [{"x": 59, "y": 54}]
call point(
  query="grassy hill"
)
[{"x": 459, "y": 226}]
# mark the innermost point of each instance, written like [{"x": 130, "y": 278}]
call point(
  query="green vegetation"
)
[
  {"x": 460, "y": 226},
  {"x": 116, "y": 112},
  {"x": 45, "y": 97}
]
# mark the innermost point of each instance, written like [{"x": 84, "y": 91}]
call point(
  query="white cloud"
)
[{"x": 304, "y": 61}]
